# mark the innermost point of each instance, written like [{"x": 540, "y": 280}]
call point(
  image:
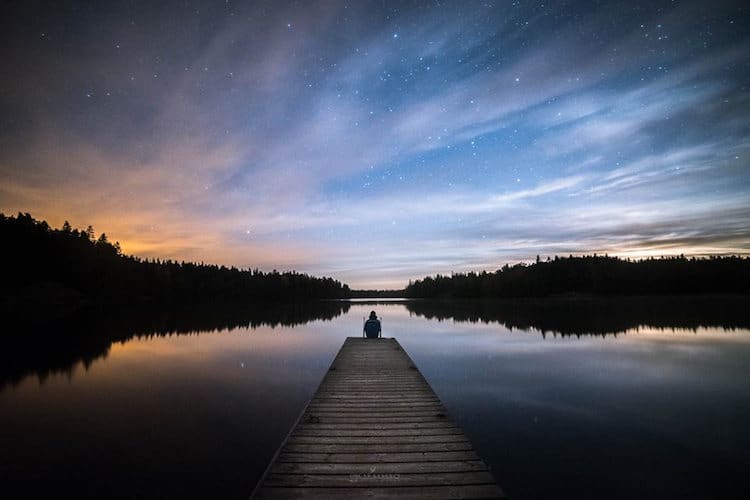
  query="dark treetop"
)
[
  {"x": 594, "y": 275},
  {"x": 64, "y": 267}
]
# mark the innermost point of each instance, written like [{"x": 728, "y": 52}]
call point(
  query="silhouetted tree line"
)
[
  {"x": 88, "y": 334},
  {"x": 594, "y": 275},
  {"x": 580, "y": 316},
  {"x": 55, "y": 262}
]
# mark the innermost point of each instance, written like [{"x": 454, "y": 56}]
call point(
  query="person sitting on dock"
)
[{"x": 372, "y": 326}]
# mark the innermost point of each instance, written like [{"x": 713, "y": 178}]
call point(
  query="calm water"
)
[{"x": 621, "y": 398}]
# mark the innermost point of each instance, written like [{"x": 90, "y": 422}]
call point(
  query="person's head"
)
[{"x": 373, "y": 315}]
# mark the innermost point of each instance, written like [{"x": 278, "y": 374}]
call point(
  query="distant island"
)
[{"x": 64, "y": 268}]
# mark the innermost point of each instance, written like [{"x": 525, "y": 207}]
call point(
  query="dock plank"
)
[
  {"x": 378, "y": 448},
  {"x": 401, "y": 493},
  {"x": 304, "y": 432},
  {"x": 376, "y": 429},
  {"x": 382, "y": 468},
  {"x": 378, "y": 479},
  {"x": 439, "y": 456},
  {"x": 369, "y": 440}
]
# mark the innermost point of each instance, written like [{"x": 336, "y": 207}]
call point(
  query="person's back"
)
[{"x": 372, "y": 326}]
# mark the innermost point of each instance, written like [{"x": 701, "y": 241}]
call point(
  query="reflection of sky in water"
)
[
  {"x": 652, "y": 412},
  {"x": 565, "y": 408}
]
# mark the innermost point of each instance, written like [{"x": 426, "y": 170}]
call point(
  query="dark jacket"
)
[{"x": 372, "y": 328}]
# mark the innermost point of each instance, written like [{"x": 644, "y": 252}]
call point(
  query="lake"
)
[{"x": 579, "y": 398}]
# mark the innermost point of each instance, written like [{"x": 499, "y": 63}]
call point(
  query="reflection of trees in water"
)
[
  {"x": 593, "y": 316},
  {"x": 58, "y": 347}
]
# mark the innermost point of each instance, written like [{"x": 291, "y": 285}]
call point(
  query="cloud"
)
[{"x": 482, "y": 134}]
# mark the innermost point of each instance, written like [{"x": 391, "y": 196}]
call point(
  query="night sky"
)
[{"x": 377, "y": 142}]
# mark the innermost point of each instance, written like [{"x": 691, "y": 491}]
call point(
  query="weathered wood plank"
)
[
  {"x": 368, "y": 479},
  {"x": 381, "y": 426},
  {"x": 371, "y": 416},
  {"x": 385, "y": 388},
  {"x": 381, "y": 439},
  {"x": 374, "y": 388},
  {"x": 376, "y": 413},
  {"x": 381, "y": 468},
  {"x": 323, "y": 408},
  {"x": 375, "y": 385},
  {"x": 329, "y": 419},
  {"x": 367, "y": 401},
  {"x": 293, "y": 447},
  {"x": 369, "y": 458},
  {"x": 423, "y": 393},
  {"x": 374, "y": 402},
  {"x": 438, "y": 431},
  {"x": 403, "y": 493},
  {"x": 375, "y": 429},
  {"x": 370, "y": 404},
  {"x": 374, "y": 381}
]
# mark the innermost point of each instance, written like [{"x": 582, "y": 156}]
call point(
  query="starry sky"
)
[{"x": 377, "y": 142}]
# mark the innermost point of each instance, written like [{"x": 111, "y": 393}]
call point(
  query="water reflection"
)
[
  {"x": 46, "y": 349},
  {"x": 193, "y": 403},
  {"x": 49, "y": 348},
  {"x": 593, "y": 316}
]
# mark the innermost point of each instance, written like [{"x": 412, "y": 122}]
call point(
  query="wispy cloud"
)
[{"x": 380, "y": 145}]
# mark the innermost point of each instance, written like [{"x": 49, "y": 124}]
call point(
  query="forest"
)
[
  {"x": 67, "y": 266},
  {"x": 593, "y": 275}
]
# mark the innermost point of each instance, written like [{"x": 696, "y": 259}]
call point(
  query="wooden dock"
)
[{"x": 375, "y": 429}]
